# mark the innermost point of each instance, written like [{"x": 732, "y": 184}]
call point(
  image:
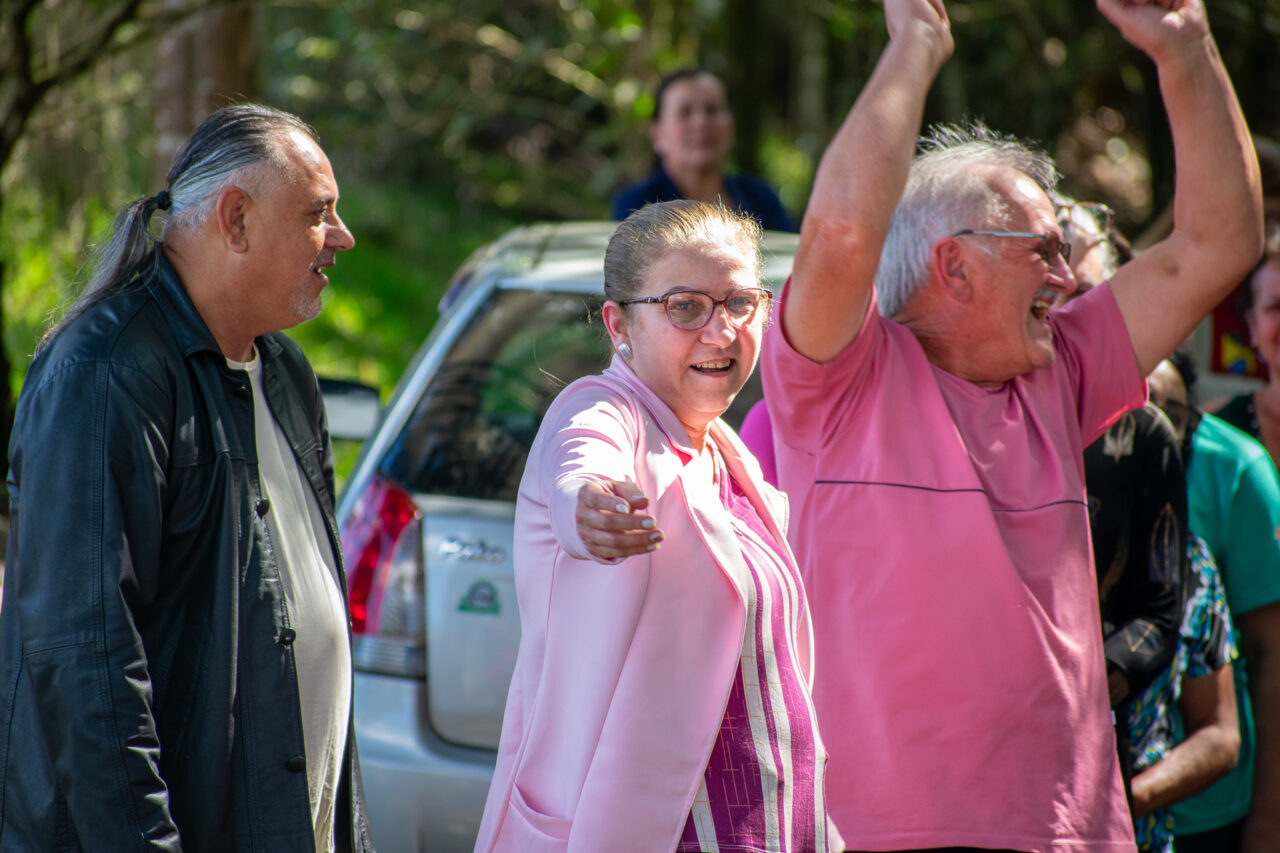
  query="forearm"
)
[
  {"x": 104, "y": 747},
  {"x": 87, "y": 541},
  {"x": 1217, "y": 233},
  {"x": 1217, "y": 202},
  {"x": 873, "y": 149},
  {"x": 856, "y": 188},
  {"x": 1188, "y": 769},
  {"x": 1210, "y": 750},
  {"x": 1262, "y": 829}
]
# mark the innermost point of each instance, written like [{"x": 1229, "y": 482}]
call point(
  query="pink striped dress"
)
[{"x": 763, "y": 787}]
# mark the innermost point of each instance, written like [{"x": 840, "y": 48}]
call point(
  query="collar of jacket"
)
[
  {"x": 188, "y": 326},
  {"x": 619, "y": 371}
]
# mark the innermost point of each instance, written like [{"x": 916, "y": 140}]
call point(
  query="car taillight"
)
[{"x": 382, "y": 549}]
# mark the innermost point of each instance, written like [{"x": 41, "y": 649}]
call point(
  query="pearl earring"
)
[{"x": 624, "y": 350}]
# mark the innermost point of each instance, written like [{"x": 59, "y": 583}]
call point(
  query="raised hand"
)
[
  {"x": 610, "y": 522},
  {"x": 901, "y": 15},
  {"x": 1159, "y": 28}
]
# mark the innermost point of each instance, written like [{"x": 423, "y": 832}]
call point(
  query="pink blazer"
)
[{"x": 624, "y": 669}]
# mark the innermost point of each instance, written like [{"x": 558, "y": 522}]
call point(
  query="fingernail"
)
[
  {"x": 647, "y": 523},
  {"x": 652, "y": 548},
  {"x": 620, "y": 508},
  {"x": 656, "y": 537}
]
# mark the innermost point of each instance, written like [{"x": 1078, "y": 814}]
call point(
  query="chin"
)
[
  {"x": 1043, "y": 359},
  {"x": 303, "y": 312}
]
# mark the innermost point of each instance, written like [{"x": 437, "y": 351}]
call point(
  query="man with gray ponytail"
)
[{"x": 175, "y": 668}]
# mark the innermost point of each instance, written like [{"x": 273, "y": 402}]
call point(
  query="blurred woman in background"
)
[{"x": 692, "y": 133}]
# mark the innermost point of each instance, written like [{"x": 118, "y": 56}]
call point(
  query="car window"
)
[{"x": 470, "y": 433}]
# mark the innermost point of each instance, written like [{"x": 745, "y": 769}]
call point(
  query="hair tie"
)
[{"x": 162, "y": 200}]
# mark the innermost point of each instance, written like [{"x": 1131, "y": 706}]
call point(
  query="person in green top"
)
[{"x": 1233, "y": 495}]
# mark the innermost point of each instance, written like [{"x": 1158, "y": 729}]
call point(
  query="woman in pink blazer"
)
[{"x": 660, "y": 700}]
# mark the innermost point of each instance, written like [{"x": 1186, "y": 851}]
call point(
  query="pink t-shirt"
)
[
  {"x": 942, "y": 532},
  {"x": 757, "y": 434}
]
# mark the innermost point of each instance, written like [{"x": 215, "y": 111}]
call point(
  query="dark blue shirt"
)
[{"x": 749, "y": 194}]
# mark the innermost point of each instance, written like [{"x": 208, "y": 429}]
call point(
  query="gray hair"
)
[
  {"x": 657, "y": 228},
  {"x": 239, "y": 144},
  {"x": 944, "y": 194}
]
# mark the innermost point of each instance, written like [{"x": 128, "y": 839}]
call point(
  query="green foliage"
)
[
  {"x": 449, "y": 122},
  {"x": 383, "y": 295},
  {"x": 43, "y": 245}
]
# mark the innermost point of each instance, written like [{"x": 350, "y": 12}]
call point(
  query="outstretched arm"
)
[
  {"x": 1217, "y": 231},
  {"x": 611, "y": 520},
  {"x": 858, "y": 184}
]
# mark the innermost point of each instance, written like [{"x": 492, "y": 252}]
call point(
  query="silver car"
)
[{"x": 426, "y": 519}]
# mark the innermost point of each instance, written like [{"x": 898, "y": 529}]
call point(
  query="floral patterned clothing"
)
[{"x": 1205, "y": 644}]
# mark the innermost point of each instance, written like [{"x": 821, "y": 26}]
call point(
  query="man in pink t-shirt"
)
[{"x": 929, "y": 430}]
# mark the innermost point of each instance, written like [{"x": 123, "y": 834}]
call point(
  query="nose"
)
[
  {"x": 1061, "y": 278},
  {"x": 720, "y": 330},
  {"x": 339, "y": 236}
]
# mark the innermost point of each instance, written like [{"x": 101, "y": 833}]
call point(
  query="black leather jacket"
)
[{"x": 148, "y": 696}]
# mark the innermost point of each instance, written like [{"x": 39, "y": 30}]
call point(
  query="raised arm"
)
[
  {"x": 858, "y": 184},
  {"x": 1217, "y": 231}
]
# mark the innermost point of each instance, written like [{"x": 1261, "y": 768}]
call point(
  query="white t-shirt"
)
[{"x": 309, "y": 579}]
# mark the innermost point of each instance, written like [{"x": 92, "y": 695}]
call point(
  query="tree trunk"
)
[
  {"x": 205, "y": 63},
  {"x": 747, "y": 80},
  {"x": 810, "y": 115}
]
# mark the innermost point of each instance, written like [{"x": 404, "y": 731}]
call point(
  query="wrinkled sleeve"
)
[
  {"x": 89, "y": 457},
  {"x": 1093, "y": 342},
  {"x": 807, "y": 400},
  {"x": 588, "y": 439}
]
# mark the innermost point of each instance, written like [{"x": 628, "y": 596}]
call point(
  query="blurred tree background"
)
[{"x": 450, "y": 122}]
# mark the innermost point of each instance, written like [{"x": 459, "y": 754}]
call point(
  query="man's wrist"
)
[
  {"x": 1187, "y": 55},
  {"x": 921, "y": 35}
]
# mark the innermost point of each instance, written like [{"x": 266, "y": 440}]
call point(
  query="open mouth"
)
[
  {"x": 322, "y": 263},
  {"x": 1040, "y": 305},
  {"x": 713, "y": 368}
]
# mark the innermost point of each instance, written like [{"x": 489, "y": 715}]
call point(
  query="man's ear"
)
[
  {"x": 951, "y": 268},
  {"x": 231, "y": 208}
]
